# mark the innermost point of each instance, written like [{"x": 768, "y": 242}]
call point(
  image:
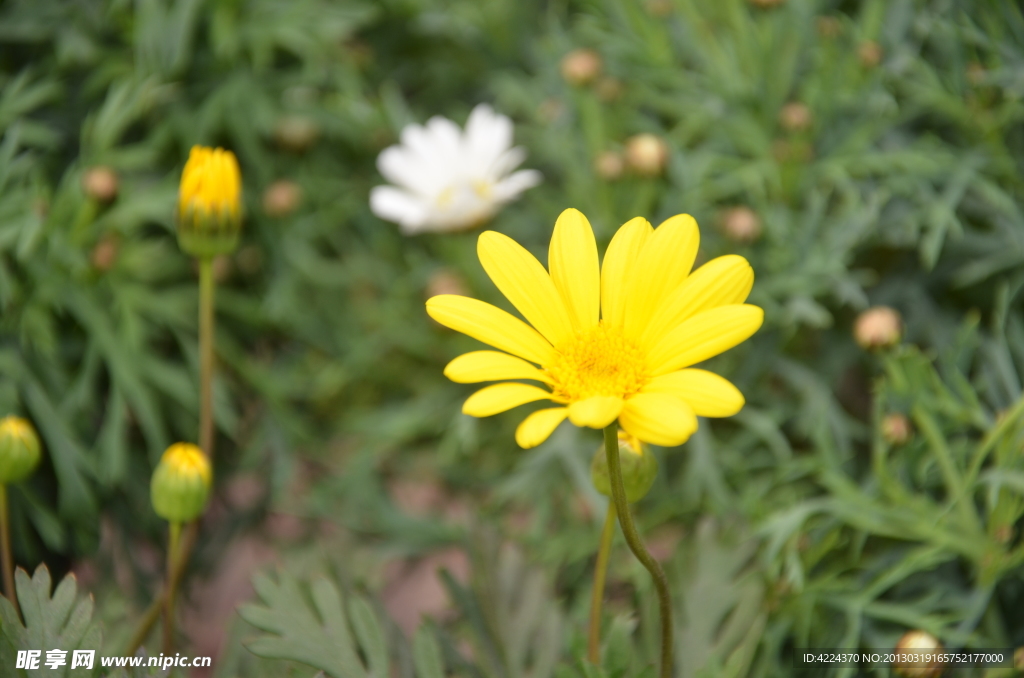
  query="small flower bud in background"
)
[
  {"x": 609, "y": 89},
  {"x": 181, "y": 483},
  {"x": 913, "y": 642},
  {"x": 741, "y": 224},
  {"x": 828, "y": 26},
  {"x": 609, "y": 165},
  {"x": 209, "y": 203},
  {"x": 249, "y": 259},
  {"x": 281, "y": 198},
  {"x": 647, "y": 154},
  {"x": 795, "y": 117},
  {"x": 896, "y": 429},
  {"x": 446, "y": 281},
  {"x": 100, "y": 184},
  {"x": 104, "y": 253},
  {"x": 639, "y": 468},
  {"x": 869, "y": 53},
  {"x": 581, "y": 66},
  {"x": 975, "y": 73},
  {"x": 878, "y": 327},
  {"x": 658, "y": 8},
  {"x": 296, "y": 133},
  {"x": 19, "y": 449}
]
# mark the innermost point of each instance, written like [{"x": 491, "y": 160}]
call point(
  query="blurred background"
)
[{"x": 859, "y": 154}]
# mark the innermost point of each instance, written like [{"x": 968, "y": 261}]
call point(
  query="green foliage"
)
[
  {"x": 902, "y": 186},
  {"x": 61, "y": 622}
]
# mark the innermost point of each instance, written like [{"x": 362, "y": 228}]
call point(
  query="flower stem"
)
[
  {"x": 206, "y": 294},
  {"x": 173, "y": 540},
  {"x": 600, "y": 571},
  {"x": 7, "y": 555},
  {"x": 611, "y": 447}
]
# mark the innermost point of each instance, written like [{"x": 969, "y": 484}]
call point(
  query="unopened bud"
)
[
  {"x": 281, "y": 198},
  {"x": 104, "y": 253},
  {"x": 795, "y": 117},
  {"x": 638, "y": 465},
  {"x": 658, "y": 8},
  {"x": 896, "y": 429},
  {"x": 647, "y": 154},
  {"x": 921, "y": 643},
  {"x": 100, "y": 184},
  {"x": 446, "y": 281},
  {"x": 869, "y": 53},
  {"x": 210, "y": 203},
  {"x": 828, "y": 26},
  {"x": 741, "y": 224},
  {"x": 878, "y": 327},
  {"x": 19, "y": 449},
  {"x": 609, "y": 89},
  {"x": 581, "y": 66},
  {"x": 181, "y": 483},
  {"x": 296, "y": 133},
  {"x": 609, "y": 165}
]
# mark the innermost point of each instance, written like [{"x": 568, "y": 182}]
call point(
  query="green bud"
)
[
  {"x": 19, "y": 449},
  {"x": 181, "y": 483},
  {"x": 639, "y": 468}
]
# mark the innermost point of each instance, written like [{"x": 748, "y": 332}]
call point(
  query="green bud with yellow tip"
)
[
  {"x": 210, "y": 203},
  {"x": 19, "y": 449},
  {"x": 181, "y": 483},
  {"x": 639, "y": 468}
]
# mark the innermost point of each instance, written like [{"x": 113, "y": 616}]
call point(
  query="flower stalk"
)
[
  {"x": 206, "y": 299},
  {"x": 173, "y": 540},
  {"x": 8, "y": 556},
  {"x": 636, "y": 545},
  {"x": 597, "y": 596}
]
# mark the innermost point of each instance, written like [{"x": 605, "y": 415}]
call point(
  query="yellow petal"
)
[
  {"x": 595, "y": 412},
  {"x": 490, "y": 325},
  {"x": 479, "y": 366},
  {"x": 536, "y": 428},
  {"x": 704, "y": 335},
  {"x": 619, "y": 267},
  {"x": 663, "y": 264},
  {"x": 572, "y": 258},
  {"x": 708, "y": 394},
  {"x": 720, "y": 282},
  {"x": 524, "y": 282},
  {"x": 500, "y": 397},
  {"x": 658, "y": 418}
]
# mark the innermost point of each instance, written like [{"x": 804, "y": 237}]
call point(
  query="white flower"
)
[{"x": 447, "y": 180}]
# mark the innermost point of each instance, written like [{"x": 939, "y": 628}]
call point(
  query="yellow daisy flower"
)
[{"x": 607, "y": 342}]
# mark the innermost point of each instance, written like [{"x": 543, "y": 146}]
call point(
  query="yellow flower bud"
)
[
  {"x": 639, "y": 468},
  {"x": 210, "y": 203},
  {"x": 19, "y": 449},
  {"x": 181, "y": 483},
  {"x": 878, "y": 327},
  {"x": 918, "y": 642},
  {"x": 647, "y": 154}
]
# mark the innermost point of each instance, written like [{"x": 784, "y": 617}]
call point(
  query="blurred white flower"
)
[{"x": 448, "y": 180}]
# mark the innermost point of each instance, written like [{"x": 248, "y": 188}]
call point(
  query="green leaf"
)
[{"x": 61, "y": 622}]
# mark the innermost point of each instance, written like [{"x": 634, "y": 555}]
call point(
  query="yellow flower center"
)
[
  {"x": 187, "y": 460},
  {"x": 600, "y": 361},
  {"x": 211, "y": 182}
]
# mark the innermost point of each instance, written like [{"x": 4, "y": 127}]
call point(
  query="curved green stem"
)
[
  {"x": 597, "y": 596},
  {"x": 611, "y": 447},
  {"x": 172, "y": 584},
  {"x": 7, "y": 554}
]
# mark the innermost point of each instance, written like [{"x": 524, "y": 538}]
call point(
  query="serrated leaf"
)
[
  {"x": 317, "y": 634},
  {"x": 61, "y": 622}
]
